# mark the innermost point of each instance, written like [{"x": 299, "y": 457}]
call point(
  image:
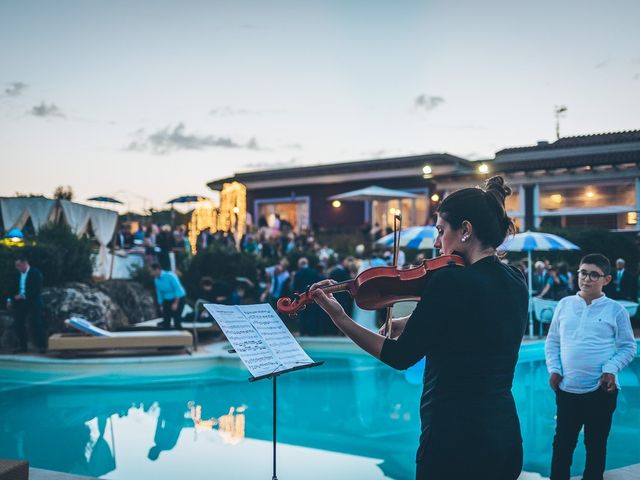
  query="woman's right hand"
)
[{"x": 397, "y": 327}]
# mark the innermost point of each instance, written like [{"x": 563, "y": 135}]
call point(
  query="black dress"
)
[{"x": 469, "y": 324}]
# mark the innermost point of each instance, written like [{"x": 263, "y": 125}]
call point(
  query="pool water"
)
[{"x": 352, "y": 417}]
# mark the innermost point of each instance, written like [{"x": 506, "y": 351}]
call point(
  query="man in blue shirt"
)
[{"x": 170, "y": 294}]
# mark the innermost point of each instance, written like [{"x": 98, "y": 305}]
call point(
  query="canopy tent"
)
[
  {"x": 103, "y": 223},
  {"x": 16, "y": 211},
  {"x": 373, "y": 193}
]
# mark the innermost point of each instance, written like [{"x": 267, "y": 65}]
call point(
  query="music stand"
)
[
  {"x": 265, "y": 346},
  {"x": 274, "y": 376}
]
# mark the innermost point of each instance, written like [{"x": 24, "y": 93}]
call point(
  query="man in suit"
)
[
  {"x": 27, "y": 303},
  {"x": 624, "y": 283},
  {"x": 311, "y": 318},
  {"x": 342, "y": 273}
]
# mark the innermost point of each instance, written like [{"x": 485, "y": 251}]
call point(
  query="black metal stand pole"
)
[{"x": 274, "y": 477}]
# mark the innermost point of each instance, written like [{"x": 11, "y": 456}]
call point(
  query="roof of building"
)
[
  {"x": 612, "y": 158},
  {"x": 414, "y": 161},
  {"x": 579, "y": 141}
]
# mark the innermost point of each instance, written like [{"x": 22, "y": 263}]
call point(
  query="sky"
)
[{"x": 148, "y": 100}]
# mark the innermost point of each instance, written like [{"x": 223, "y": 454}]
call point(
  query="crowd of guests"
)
[
  {"x": 554, "y": 282},
  {"x": 274, "y": 244}
]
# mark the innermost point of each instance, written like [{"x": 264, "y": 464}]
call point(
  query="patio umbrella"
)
[
  {"x": 420, "y": 238},
  {"x": 186, "y": 199},
  {"x": 538, "y": 242},
  {"x": 105, "y": 200},
  {"x": 373, "y": 193}
]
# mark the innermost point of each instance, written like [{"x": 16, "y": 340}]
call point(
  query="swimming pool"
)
[{"x": 350, "y": 418}]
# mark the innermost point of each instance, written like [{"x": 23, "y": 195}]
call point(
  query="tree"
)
[{"x": 63, "y": 193}]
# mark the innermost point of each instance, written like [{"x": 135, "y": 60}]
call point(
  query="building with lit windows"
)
[{"x": 587, "y": 181}]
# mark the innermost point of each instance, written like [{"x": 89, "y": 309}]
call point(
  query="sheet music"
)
[{"x": 259, "y": 337}]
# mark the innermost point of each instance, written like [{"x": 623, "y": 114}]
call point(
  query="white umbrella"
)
[
  {"x": 539, "y": 242},
  {"x": 373, "y": 193}
]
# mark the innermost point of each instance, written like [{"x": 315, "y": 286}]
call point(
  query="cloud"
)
[
  {"x": 427, "y": 102},
  {"x": 293, "y": 146},
  {"x": 602, "y": 64},
  {"x": 170, "y": 139},
  {"x": 43, "y": 110},
  {"x": 292, "y": 162},
  {"x": 228, "y": 111},
  {"x": 15, "y": 89}
]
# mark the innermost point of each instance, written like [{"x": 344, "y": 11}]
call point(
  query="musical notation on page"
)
[{"x": 258, "y": 335}]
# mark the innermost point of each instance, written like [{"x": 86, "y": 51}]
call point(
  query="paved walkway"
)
[
  {"x": 39, "y": 474},
  {"x": 632, "y": 472}
]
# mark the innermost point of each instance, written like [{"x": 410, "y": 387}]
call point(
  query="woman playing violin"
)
[{"x": 469, "y": 324}]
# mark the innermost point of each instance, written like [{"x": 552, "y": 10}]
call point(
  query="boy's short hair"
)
[
  {"x": 155, "y": 266},
  {"x": 599, "y": 261}
]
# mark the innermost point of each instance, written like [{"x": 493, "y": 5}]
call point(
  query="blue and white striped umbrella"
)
[
  {"x": 420, "y": 238},
  {"x": 536, "y": 242}
]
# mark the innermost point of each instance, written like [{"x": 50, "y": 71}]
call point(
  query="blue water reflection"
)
[{"x": 351, "y": 418}]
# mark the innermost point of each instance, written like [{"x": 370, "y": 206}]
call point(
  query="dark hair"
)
[
  {"x": 155, "y": 266},
  {"x": 599, "y": 261},
  {"x": 483, "y": 208},
  {"x": 206, "y": 281},
  {"x": 21, "y": 257}
]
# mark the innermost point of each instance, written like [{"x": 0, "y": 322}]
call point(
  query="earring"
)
[{"x": 464, "y": 239}]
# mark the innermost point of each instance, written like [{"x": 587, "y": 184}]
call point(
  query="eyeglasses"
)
[{"x": 593, "y": 276}]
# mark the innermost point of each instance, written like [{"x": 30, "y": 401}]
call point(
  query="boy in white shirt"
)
[{"x": 590, "y": 340}]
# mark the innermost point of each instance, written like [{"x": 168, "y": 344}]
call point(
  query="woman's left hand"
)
[{"x": 327, "y": 302}]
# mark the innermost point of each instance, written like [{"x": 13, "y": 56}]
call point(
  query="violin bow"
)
[{"x": 397, "y": 226}]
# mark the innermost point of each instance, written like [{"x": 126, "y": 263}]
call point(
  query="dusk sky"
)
[{"x": 152, "y": 99}]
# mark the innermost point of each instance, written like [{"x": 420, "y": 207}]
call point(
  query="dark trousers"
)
[
  {"x": 30, "y": 310},
  {"x": 592, "y": 410},
  {"x": 168, "y": 314}
]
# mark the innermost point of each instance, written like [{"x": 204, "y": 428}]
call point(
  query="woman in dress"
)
[{"x": 469, "y": 324}]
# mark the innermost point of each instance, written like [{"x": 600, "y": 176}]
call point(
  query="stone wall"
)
[{"x": 110, "y": 305}]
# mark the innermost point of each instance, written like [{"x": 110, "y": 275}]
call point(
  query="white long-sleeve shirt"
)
[{"x": 585, "y": 341}]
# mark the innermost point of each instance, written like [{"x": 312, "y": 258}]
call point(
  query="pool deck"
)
[
  {"x": 40, "y": 474},
  {"x": 632, "y": 472}
]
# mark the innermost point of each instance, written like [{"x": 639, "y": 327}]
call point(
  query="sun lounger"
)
[{"x": 99, "y": 339}]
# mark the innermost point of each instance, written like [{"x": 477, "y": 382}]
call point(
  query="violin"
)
[{"x": 378, "y": 287}]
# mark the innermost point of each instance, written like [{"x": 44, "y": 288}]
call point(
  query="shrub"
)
[
  {"x": 56, "y": 251},
  {"x": 220, "y": 263}
]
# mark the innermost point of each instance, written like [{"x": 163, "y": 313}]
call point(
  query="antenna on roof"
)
[{"x": 558, "y": 111}]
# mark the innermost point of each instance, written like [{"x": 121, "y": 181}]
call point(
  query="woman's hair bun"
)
[{"x": 496, "y": 185}]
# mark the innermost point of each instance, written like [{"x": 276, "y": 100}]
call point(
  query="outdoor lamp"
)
[
  {"x": 483, "y": 168},
  {"x": 336, "y": 204},
  {"x": 427, "y": 170},
  {"x": 435, "y": 197}
]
